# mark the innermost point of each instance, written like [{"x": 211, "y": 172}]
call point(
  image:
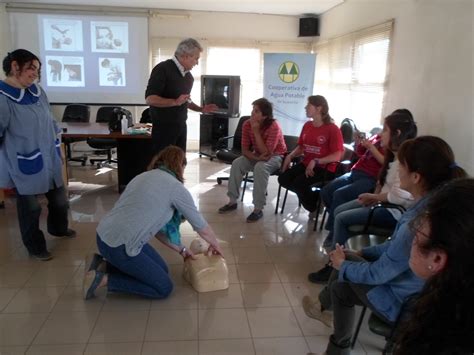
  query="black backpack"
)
[
  {"x": 348, "y": 128},
  {"x": 115, "y": 123}
]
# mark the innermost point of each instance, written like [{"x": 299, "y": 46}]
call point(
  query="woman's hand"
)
[
  {"x": 255, "y": 125},
  {"x": 187, "y": 254},
  {"x": 310, "y": 169},
  {"x": 367, "y": 199},
  {"x": 286, "y": 163},
  {"x": 367, "y": 144},
  {"x": 337, "y": 257},
  {"x": 214, "y": 250}
]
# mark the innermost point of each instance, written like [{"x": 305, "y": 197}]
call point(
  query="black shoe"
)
[
  {"x": 254, "y": 216},
  {"x": 70, "y": 233},
  {"x": 321, "y": 276},
  {"x": 43, "y": 256},
  {"x": 227, "y": 208}
]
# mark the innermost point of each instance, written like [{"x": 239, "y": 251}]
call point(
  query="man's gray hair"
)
[{"x": 187, "y": 46}]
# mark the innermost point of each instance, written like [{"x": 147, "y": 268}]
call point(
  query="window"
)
[{"x": 352, "y": 72}]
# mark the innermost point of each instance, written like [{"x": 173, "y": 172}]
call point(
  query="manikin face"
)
[
  {"x": 189, "y": 61},
  {"x": 28, "y": 74},
  {"x": 421, "y": 260}
]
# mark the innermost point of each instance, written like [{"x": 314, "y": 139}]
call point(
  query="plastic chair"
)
[
  {"x": 384, "y": 328},
  {"x": 75, "y": 113},
  {"x": 104, "y": 145}
]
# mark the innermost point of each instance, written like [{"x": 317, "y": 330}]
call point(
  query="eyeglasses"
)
[{"x": 416, "y": 227}]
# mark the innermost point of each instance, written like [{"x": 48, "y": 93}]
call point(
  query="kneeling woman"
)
[{"x": 151, "y": 206}]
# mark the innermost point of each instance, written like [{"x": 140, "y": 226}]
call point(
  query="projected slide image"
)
[
  {"x": 62, "y": 35},
  {"x": 112, "y": 72},
  {"x": 109, "y": 37},
  {"x": 65, "y": 71}
]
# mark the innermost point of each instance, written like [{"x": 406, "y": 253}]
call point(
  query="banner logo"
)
[{"x": 288, "y": 72}]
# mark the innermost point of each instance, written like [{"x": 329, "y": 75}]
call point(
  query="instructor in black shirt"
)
[{"x": 168, "y": 94}]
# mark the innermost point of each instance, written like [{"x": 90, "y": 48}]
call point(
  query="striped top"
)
[{"x": 272, "y": 136}]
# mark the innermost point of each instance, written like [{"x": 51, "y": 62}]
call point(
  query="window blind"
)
[{"x": 352, "y": 73}]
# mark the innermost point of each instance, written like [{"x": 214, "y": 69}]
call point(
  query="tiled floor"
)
[{"x": 42, "y": 310}]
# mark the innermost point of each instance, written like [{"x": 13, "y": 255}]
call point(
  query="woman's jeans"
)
[
  {"x": 353, "y": 213},
  {"x": 343, "y": 189},
  {"x": 29, "y": 211},
  {"x": 145, "y": 274}
]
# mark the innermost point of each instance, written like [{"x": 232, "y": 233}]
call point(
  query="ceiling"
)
[{"x": 274, "y": 7}]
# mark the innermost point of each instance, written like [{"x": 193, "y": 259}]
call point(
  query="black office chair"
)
[
  {"x": 105, "y": 114},
  {"x": 146, "y": 117},
  {"x": 229, "y": 155},
  {"x": 75, "y": 113}
]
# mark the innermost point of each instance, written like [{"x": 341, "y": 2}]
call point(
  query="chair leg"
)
[
  {"x": 245, "y": 186},
  {"x": 324, "y": 219},
  {"x": 278, "y": 199},
  {"x": 284, "y": 201},
  {"x": 318, "y": 209},
  {"x": 359, "y": 323}
]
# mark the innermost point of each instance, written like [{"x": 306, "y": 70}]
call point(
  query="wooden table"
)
[{"x": 134, "y": 151}]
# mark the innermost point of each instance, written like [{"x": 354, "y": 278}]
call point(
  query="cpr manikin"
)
[{"x": 206, "y": 272}]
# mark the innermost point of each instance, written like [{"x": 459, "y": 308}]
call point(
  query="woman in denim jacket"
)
[{"x": 379, "y": 277}]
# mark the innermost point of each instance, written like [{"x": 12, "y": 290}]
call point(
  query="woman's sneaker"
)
[{"x": 312, "y": 308}]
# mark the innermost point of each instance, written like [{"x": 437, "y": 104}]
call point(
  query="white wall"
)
[
  {"x": 223, "y": 25},
  {"x": 432, "y": 66},
  {"x": 4, "y": 35}
]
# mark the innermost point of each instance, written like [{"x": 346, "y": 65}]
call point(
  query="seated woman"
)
[
  {"x": 142, "y": 212},
  {"x": 263, "y": 148},
  {"x": 379, "y": 277},
  {"x": 396, "y": 129},
  {"x": 363, "y": 175},
  {"x": 442, "y": 254},
  {"x": 321, "y": 145}
]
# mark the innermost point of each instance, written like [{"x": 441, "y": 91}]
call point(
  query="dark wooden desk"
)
[{"x": 134, "y": 151}]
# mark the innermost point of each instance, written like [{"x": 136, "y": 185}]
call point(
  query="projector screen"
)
[{"x": 87, "y": 59}]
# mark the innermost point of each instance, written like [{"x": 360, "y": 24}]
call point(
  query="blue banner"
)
[{"x": 288, "y": 80}]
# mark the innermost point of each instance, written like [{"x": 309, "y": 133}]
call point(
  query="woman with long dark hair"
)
[
  {"x": 379, "y": 277},
  {"x": 321, "y": 145},
  {"x": 263, "y": 148},
  {"x": 442, "y": 321}
]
